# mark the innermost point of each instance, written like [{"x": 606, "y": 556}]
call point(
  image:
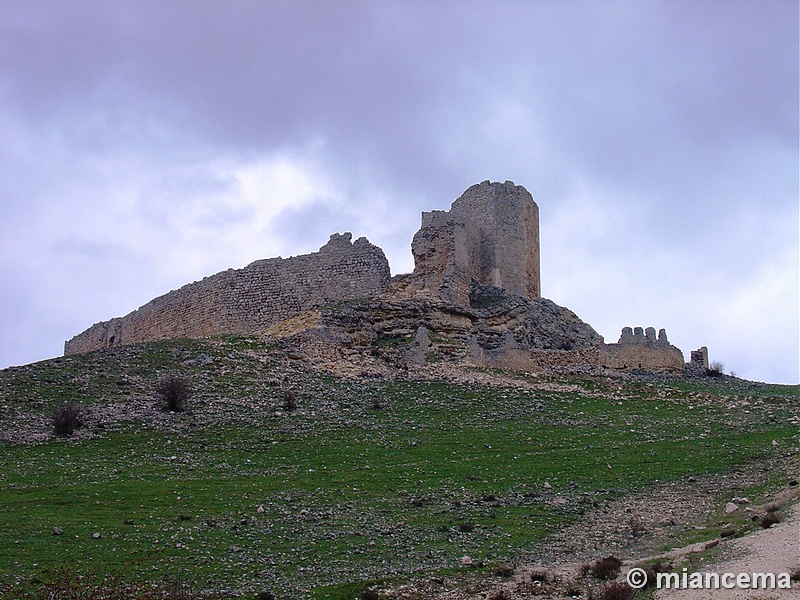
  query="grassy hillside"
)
[{"x": 364, "y": 480}]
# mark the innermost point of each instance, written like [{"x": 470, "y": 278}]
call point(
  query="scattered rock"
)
[
  {"x": 57, "y": 531},
  {"x": 731, "y": 507},
  {"x": 96, "y": 535}
]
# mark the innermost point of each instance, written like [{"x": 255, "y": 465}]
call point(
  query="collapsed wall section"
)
[{"x": 245, "y": 301}]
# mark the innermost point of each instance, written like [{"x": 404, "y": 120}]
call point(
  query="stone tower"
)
[{"x": 490, "y": 235}]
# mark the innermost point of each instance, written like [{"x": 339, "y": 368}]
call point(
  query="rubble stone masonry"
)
[
  {"x": 490, "y": 235},
  {"x": 248, "y": 300},
  {"x": 639, "y": 348}
]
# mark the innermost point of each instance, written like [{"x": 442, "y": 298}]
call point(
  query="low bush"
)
[
  {"x": 617, "y": 590},
  {"x": 290, "y": 403},
  {"x": 174, "y": 392},
  {"x": 504, "y": 571},
  {"x": 66, "y": 419},
  {"x": 466, "y": 526},
  {"x": 539, "y": 576},
  {"x": 715, "y": 369},
  {"x": 769, "y": 519},
  {"x": 606, "y": 568}
]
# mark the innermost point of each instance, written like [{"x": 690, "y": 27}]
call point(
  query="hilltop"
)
[{"x": 476, "y": 283}]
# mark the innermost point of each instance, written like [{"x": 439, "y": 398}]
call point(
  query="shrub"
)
[
  {"x": 174, "y": 391},
  {"x": 795, "y": 574},
  {"x": 636, "y": 527},
  {"x": 504, "y": 571},
  {"x": 771, "y": 508},
  {"x": 369, "y": 594},
  {"x": 266, "y": 596},
  {"x": 500, "y": 595},
  {"x": 606, "y": 568},
  {"x": 466, "y": 526},
  {"x": 617, "y": 590},
  {"x": 66, "y": 419},
  {"x": 769, "y": 519},
  {"x": 290, "y": 403},
  {"x": 540, "y": 576},
  {"x": 715, "y": 369}
]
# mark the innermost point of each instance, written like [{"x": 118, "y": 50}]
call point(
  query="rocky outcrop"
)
[{"x": 495, "y": 329}]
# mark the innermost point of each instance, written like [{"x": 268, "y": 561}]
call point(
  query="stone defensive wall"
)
[
  {"x": 248, "y": 300},
  {"x": 639, "y": 348}
]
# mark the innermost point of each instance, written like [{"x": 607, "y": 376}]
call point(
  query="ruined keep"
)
[
  {"x": 476, "y": 282},
  {"x": 490, "y": 235}
]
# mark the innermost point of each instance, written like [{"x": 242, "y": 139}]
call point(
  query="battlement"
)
[
  {"x": 639, "y": 348},
  {"x": 637, "y": 335}
]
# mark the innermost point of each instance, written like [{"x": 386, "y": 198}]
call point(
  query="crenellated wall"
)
[
  {"x": 639, "y": 348},
  {"x": 248, "y": 300}
]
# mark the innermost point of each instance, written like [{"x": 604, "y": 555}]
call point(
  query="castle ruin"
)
[
  {"x": 490, "y": 235},
  {"x": 488, "y": 240}
]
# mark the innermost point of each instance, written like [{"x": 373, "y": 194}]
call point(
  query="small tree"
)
[
  {"x": 174, "y": 391},
  {"x": 66, "y": 419}
]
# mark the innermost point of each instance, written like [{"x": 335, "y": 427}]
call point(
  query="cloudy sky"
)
[{"x": 145, "y": 145}]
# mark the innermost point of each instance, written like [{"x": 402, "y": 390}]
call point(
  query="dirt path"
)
[{"x": 774, "y": 550}]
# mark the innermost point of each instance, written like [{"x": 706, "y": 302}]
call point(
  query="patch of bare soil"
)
[{"x": 773, "y": 550}]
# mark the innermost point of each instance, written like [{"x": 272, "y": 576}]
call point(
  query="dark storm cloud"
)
[
  {"x": 652, "y": 134},
  {"x": 628, "y": 91}
]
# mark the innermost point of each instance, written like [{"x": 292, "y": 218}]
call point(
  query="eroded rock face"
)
[{"x": 496, "y": 329}]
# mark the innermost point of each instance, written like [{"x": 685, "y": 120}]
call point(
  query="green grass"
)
[{"x": 348, "y": 494}]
